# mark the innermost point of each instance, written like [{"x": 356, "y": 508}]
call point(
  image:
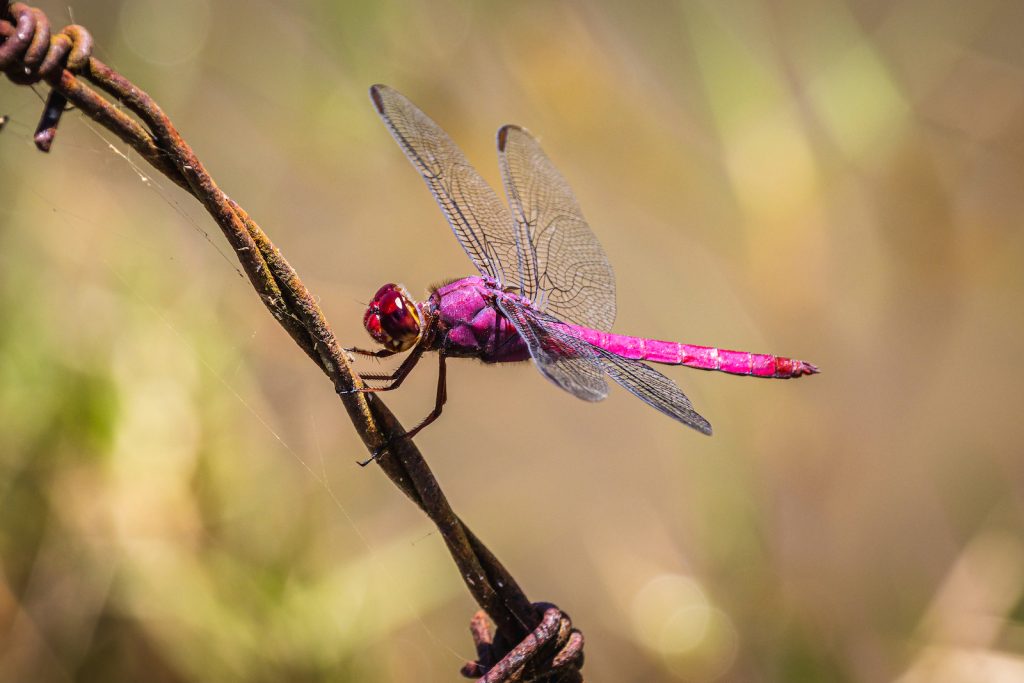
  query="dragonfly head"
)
[{"x": 393, "y": 318}]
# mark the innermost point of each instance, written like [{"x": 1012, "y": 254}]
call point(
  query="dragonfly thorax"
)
[{"x": 393, "y": 318}]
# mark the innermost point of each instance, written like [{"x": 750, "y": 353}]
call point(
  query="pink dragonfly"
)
[{"x": 545, "y": 290}]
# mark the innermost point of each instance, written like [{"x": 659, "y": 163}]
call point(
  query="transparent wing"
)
[
  {"x": 653, "y": 388},
  {"x": 481, "y": 222},
  {"x": 563, "y": 268},
  {"x": 579, "y": 367},
  {"x": 568, "y": 361}
]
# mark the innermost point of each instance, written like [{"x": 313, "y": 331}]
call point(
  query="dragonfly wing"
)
[
  {"x": 653, "y": 388},
  {"x": 562, "y": 265},
  {"x": 566, "y": 360},
  {"x": 481, "y": 222},
  {"x": 580, "y": 367}
]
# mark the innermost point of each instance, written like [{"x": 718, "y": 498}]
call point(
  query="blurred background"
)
[{"x": 839, "y": 181}]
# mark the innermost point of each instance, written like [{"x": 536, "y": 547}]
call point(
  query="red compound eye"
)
[
  {"x": 393, "y": 318},
  {"x": 372, "y": 323}
]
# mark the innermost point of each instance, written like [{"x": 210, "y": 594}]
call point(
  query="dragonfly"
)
[{"x": 544, "y": 291}]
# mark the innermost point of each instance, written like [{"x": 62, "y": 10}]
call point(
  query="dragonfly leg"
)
[
  {"x": 353, "y": 351},
  {"x": 376, "y": 353},
  {"x": 442, "y": 398},
  {"x": 398, "y": 376}
]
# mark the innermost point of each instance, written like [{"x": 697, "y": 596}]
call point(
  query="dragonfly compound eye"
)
[{"x": 393, "y": 318}]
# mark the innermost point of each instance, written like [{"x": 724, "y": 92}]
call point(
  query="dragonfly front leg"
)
[
  {"x": 395, "y": 378},
  {"x": 372, "y": 353},
  {"x": 398, "y": 376},
  {"x": 441, "y": 399},
  {"x": 375, "y": 353}
]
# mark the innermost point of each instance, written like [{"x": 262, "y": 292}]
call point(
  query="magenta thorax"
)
[{"x": 471, "y": 326}]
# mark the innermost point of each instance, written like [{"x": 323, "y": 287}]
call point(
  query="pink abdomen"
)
[{"x": 701, "y": 357}]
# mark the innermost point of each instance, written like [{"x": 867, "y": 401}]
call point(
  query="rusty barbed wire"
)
[
  {"x": 533, "y": 642},
  {"x": 552, "y": 647},
  {"x": 31, "y": 52}
]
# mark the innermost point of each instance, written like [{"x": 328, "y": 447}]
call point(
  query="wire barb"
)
[
  {"x": 553, "y": 651},
  {"x": 533, "y": 641},
  {"x": 31, "y": 53}
]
